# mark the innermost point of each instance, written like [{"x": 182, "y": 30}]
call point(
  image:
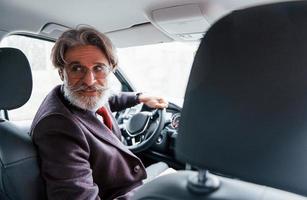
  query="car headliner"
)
[{"x": 122, "y": 20}]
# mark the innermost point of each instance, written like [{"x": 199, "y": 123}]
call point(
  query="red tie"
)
[{"x": 106, "y": 117}]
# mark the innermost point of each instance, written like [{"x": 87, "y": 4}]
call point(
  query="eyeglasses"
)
[{"x": 78, "y": 71}]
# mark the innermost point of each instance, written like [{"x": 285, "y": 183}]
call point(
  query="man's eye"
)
[
  {"x": 76, "y": 68},
  {"x": 100, "y": 68}
]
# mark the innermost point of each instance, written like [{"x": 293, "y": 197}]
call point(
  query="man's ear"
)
[{"x": 61, "y": 73}]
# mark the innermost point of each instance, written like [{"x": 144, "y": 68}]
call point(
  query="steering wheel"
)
[{"x": 143, "y": 129}]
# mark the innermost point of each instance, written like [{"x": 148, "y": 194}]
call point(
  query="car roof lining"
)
[{"x": 32, "y": 15}]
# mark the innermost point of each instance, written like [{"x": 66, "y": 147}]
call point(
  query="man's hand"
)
[{"x": 153, "y": 101}]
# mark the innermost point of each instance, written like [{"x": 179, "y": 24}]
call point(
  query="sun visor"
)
[
  {"x": 185, "y": 22},
  {"x": 53, "y": 30},
  {"x": 131, "y": 36}
]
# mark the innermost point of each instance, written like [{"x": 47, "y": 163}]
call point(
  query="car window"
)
[
  {"x": 161, "y": 69},
  {"x": 45, "y": 76}
]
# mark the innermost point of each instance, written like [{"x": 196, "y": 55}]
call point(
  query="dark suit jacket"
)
[{"x": 80, "y": 157}]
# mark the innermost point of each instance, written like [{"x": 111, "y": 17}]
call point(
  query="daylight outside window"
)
[{"x": 161, "y": 69}]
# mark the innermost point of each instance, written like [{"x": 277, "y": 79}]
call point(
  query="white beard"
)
[{"x": 91, "y": 103}]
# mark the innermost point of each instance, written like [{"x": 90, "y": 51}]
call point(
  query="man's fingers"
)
[
  {"x": 154, "y": 102},
  {"x": 162, "y": 105}
]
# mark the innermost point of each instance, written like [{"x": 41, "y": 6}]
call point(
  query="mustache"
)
[{"x": 82, "y": 87}]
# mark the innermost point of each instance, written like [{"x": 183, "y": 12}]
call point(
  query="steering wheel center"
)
[
  {"x": 143, "y": 129},
  {"x": 138, "y": 123}
]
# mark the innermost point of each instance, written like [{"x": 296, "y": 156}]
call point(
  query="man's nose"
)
[{"x": 89, "y": 78}]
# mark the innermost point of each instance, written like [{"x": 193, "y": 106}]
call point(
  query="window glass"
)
[
  {"x": 161, "y": 69},
  {"x": 45, "y": 76}
]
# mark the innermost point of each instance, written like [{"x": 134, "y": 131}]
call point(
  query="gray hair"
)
[{"x": 82, "y": 36}]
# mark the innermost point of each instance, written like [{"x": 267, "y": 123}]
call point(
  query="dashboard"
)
[{"x": 166, "y": 141}]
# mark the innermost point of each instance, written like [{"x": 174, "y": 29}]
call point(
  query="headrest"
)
[
  {"x": 245, "y": 108},
  {"x": 15, "y": 79}
]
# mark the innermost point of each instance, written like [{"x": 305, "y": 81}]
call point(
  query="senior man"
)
[{"x": 81, "y": 156}]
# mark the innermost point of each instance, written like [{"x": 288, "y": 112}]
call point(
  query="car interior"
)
[{"x": 238, "y": 132}]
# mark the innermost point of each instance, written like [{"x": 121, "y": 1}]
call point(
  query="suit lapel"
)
[{"x": 92, "y": 123}]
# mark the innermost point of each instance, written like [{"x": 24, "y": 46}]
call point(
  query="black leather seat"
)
[
  {"x": 245, "y": 110},
  {"x": 19, "y": 173}
]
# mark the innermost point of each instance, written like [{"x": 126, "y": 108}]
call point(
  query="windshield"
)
[{"x": 160, "y": 69}]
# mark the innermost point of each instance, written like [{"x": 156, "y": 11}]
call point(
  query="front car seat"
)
[
  {"x": 245, "y": 111},
  {"x": 19, "y": 172}
]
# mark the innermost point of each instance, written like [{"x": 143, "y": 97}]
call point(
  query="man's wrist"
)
[{"x": 137, "y": 96}]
